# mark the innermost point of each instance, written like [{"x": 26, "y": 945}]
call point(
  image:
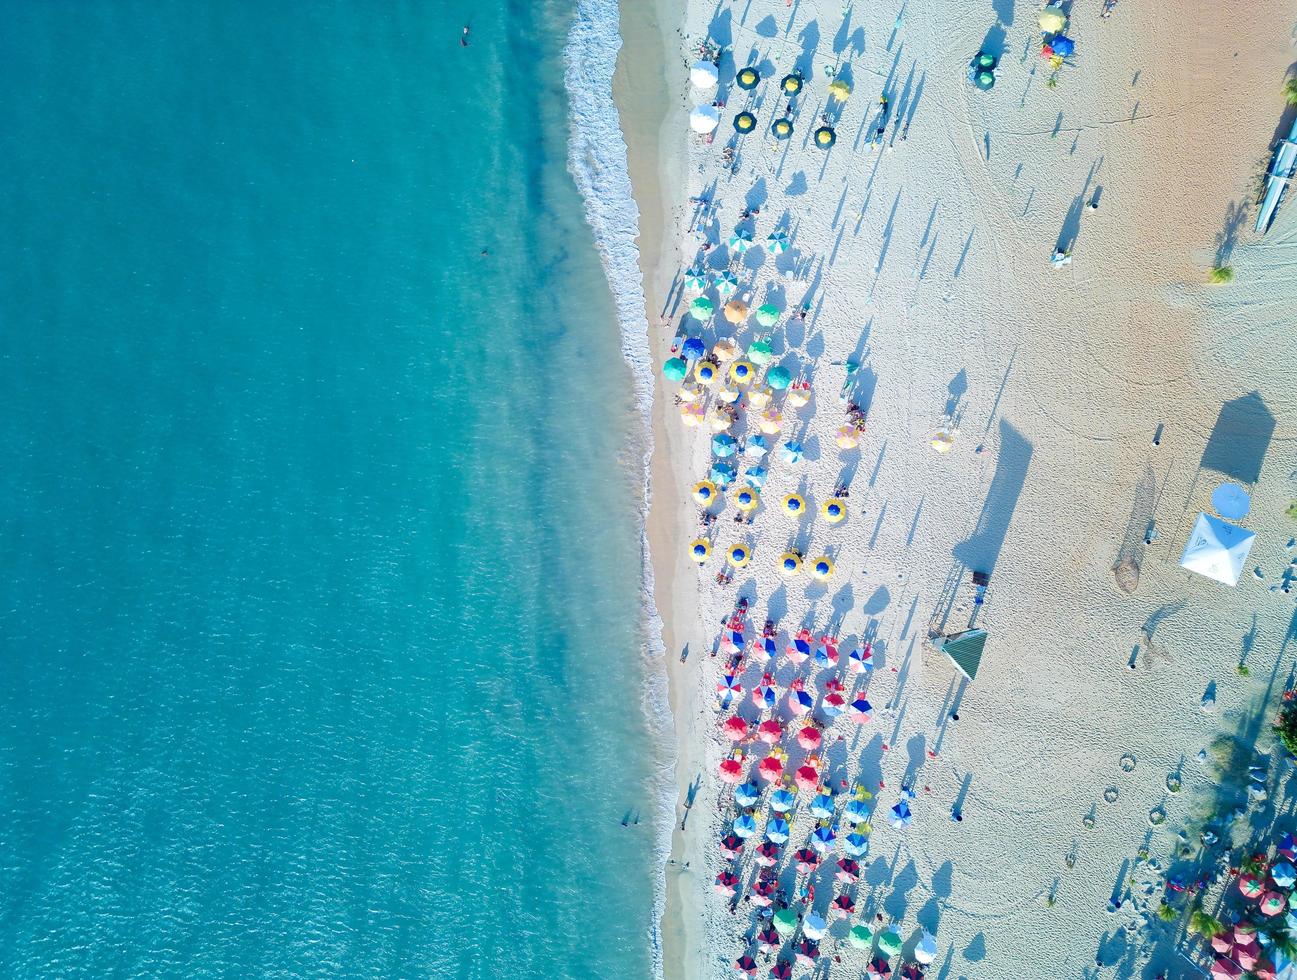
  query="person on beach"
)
[{"x": 463, "y": 38}]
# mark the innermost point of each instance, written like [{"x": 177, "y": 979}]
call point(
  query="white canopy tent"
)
[
  {"x": 704, "y": 119},
  {"x": 1217, "y": 549},
  {"x": 703, "y": 75}
]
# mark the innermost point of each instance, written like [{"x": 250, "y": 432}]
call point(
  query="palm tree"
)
[
  {"x": 1221, "y": 275},
  {"x": 1167, "y": 913},
  {"x": 1205, "y": 925},
  {"x": 1290, "y": 91}
]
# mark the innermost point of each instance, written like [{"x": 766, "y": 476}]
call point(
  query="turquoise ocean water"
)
[{"x": 320, "y": 613}]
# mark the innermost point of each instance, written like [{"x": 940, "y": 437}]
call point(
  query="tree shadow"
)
[
  {"x": 1236, "y": 214},
  {"x": 1240, "y": 439}
]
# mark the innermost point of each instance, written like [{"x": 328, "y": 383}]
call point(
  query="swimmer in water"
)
[{"x": 463, "y": 38}]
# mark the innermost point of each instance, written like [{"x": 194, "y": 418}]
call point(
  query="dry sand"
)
[{"x": 929, "y": 263}]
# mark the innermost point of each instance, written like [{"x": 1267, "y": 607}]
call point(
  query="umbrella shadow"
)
[{"x": 1240, "y": 439}]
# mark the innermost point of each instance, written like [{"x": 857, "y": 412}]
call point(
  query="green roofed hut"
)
[{"x": 964, "y": 650}]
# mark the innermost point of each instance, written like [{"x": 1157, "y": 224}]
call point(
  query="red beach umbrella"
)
[
  {"x": 1247, "y": 956},
  {"x": 808, "y": 859},
  {"x": 848, "y": 870},
  {"x": 762, "y": 892},
  {"x": 746, "y": 966},
  {"x": 809, "y": 738},
  {"x": 731, "y": 771},
  {"x": 769, "y": 939},
  {"x": 807, "y": 778},
  {"x": 807, "y": 952},
  {"x": 726, "y": 882},
  {"x": 844, "y": 904},
  {"x": 1222, "y": 943},
  {"x": 830, "y": 648},
  {"x": 1224, "y": 969},
  {"x": 782, "y": 971},
  {"x": 735, "y": 728},
  {"x": 770, "y": 731},
  {"x": 731, "y": 844},
  {"x": 834, "y": 704},
  {"x": 1251, "y": 886},
  {"x": 771, "y": 769},
  {"x": 768, "y": 854}
]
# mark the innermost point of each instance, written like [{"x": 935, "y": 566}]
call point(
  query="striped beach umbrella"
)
[
  {"x": 862, "y": 712},
  {"x": 740, "y": 241},
  {"x": 767, "y": 854},
  {"x": 856, "y": 844},
  {"x": 777, "y": 830},
  {"x": 822, "y": 806},
  {"x": 790, "y": 563},
  {"x": 726, "y": 882},
  {"x": 745, "y": 825},
  {"x": 777, "y": 242},
  {"x": 727, "y": 284},
  {"x": 808, "y": 859},
  {"x": 696, "y": 278},
  {"x": 700, "y": 550},
  {"x": 731, "y": 845}
]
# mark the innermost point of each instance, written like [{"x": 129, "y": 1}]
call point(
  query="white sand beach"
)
[{"x": 1084, "y": 402}]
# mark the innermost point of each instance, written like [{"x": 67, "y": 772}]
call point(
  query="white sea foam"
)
[{"x": 598, "y": 163}]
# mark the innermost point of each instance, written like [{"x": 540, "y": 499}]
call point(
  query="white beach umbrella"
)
[
  {"x": 926, "y": 951},
  {"x": 704, "y": 119},
  {"x": 813, "y": 926},
  {"x": 1217, "y": 549},
  {"x": 704, "y": 75}
]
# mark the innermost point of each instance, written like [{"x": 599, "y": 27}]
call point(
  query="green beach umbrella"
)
[
  {"x": 701, "y": 308},
  {"x": 777, "y": 241},
  {"x": 767, "y": 314},
  {"x": 675, "y": 369},
  {"x": 785, "y": 922},
  {"x": 889, "y": 943},
  {"x": 825, "y": 137},
  {"x": 745, "y": 122},
  {"x": 781, "y": 129},
  {"x": 861, "y": 936},
  {"x": 985, "y": 60},
  {"x": 791, "y": 84},
  {"x": 761, "y": 352},
  {"x": 985, "y": 80},
  {"x": 696, "y": 278},
  {"x": 747, "y": 78},
  {"x": 779, "y": 378},
  {"x": 741, "y": 240},
  {"x": 727, "y": 284}
]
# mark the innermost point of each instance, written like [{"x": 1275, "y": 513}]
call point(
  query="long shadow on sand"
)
[
  {"x": 982, "y": 549},
  {"x": 1240, "y": 439}
]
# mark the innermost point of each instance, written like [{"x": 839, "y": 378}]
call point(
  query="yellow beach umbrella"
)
[
  {"x": 718, "y": 419},
  {"x": 848, "y": 437},
  {"x": 746, "y": 499},
  {"x": 704, "y": 492},
  {"x": 840, "y": 89},
  {"x": 797, "y": 397},
  {"x": 705, "y": 373},
  {"x": 1052, "y": 20},
  {"x": 833, "y": 510},
  {"x": 736, "y": 311},
  {"x": 822, "y": 567},
  {"x": 942, "y": 441},
  {"x": 759, "y": 398},
  {"x": 690, "y": 393},
  {"x": 725, "y": 350},
  {"x": 739, "y": 555},
  {"x": 742, "y": 372},
  {"x": 770, "y": 420},
  {"x": 728, "y": 395},
  {"x": 794, "y": 505},
  {"x": 692, "y": 413},
  {"x": 790, "y": 563},
  {"x": 700, "y": 550}
]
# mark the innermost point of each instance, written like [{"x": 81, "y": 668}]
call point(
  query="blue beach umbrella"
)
[
  {"x": 741, "y": 240},
  {"x": 747, "y": 794},
  {"x": 1284, "y": 874},
  {"x": 767, "y": 646},
  {"x": 693, "y": 349},
  {"x": 757, "y": 447},
  {"x": 696, "y": 278},
  {"x": 767, "y": 697},
  {"x": 901, "y": 815},
  {"x": 724, "y": 444},
  {"x": 803, "y": 647},
  {"x": 822, "y": 839},
  {"x": 856, "y": 844},
  {"x": 855, "y": 811},
  {"x": 801, "y": 699},
  {"x": 744, "y": 825},
  {"x": 792, "y": 452},
  {"x": 778, "y": 378},
  {"x": 781, "y": 800},
  {"x": 756, "y": 477},
  {"x": 822, "y": 806},
  {"x": 777, "y": 242},
  {"x": 830, "y": 709},
  {"x": 722, "y": 474},
  {"x": 777, "y": 831}
]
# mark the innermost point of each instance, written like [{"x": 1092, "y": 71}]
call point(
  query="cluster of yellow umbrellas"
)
[
  {"x": 833, "y": 510},
  {"x": 790, "y": 565},
  {"x": 739, "y": 554},
  {"x": 700, "y": 550}
]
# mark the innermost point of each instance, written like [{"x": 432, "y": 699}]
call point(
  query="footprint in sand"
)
[
  {"x": 1110, "y": 794},
  {"x": 1127, "y": 763}
]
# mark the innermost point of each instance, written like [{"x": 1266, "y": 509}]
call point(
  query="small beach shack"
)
[
  {"x": 1217, "y": 549},
  {"x": 964, "y": 650}
]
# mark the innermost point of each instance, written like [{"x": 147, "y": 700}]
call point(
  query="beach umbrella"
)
[
  {"x": 721, "y": 473},
  {"x": 814, "y": 926},
  {"x": 1288, "y": 846},
  {"x": 1052, "y": 20},
  {"x": 731, "y": 845},
  {"x": 781, "y": 800},
  {"x": 735, "y": 728},
  {"x": 777, "y": 830},
  {"x": 797, "y": 652},
  {"x": 726, "y": 882},
  {"x": 767, "y": 314},
  {"x": 727, "y": 395},
  {"x": 756, "y": 477},
  {"x": 675, "y": 369},
  {"x": 848, "y": 437},
  {"x": 785, "y": 921},
  {"x": 719, "y": 419},
  {"x": 861, "y": 936},
  {"x": 724, "y": 444},
  {"x": 834, "y": 704},
  {"x": 747, "y": 78},
  {"x": 692, "y": 349},
  {"x": 840, "y": 89},
  {"x": 861, "y": 660},
  {"x": 984, "y": 79},
  {"x": 745, "y": 825},
  {"x": 822, "y": 839},
  {"x": 779, "y": 378},
  {"x": 740, "y": 242},
  {"x": 767, "y": 854},
  {"x": 1231, "y": 501},
  {"x": 1272, "y": 903},
  {"x": 771, "y": 768},
  {"x": 742, "y": 371},
  {"x": 1251, "y": 886},
  {"x": 771, "y": 421},
  {"x": 727, "y": 284},
  {"x": 781, "y": 129},
  {"x": 807, "y": 860},
  {"x": 1244, "y": 933},
  {"x": 807, "y": 952},
  {"x": 825, "y": 137},
  {"x": 822, "y": 806},
  {"x": 756, "y": 447},
  {"x": 727, "y": 687},
  {"x": 844, "y": 905},
  {"x": 800, "y": 702},
  {"x": 926, "y": 951},
  {"x": 1247, "y": 956},
  {"x": 768, "y": 938},
  {"x": 889, "y": 943},
  {"x": 848, "y": 870},
  {"x": 1224, "y": 969},
  {"x": 736, "y": 311},
  {"x": 822, "y": 567},
  {"x": 704, "y": 75},
  {"x": 700, "y": 550},
  {"x": 794, "y": 505},
  {"x": 1290, "y": 921},
  {"x": 724, "y": 350},
  {"x": 696, "y": 278},
  {"x": 704, "y": 119},
  {"x": 692, "y": 413},
  {"x": 704, "y": 492},
  {"x": 731, "y": 771},
  {"x": 807, "y": 778},
  {"x": 746, "y": 499},
  {"x": 746, "y": 965},
  {"x": 791, "y": 84},
  {"x": 781, "y": 971},
  {"x": 689, "y": 392},
  {"x": 763, "y": 695},
  {"x": 701, "y": 308},
  {"x": 799, "y": 395},
  {"x": 790, "y": 563},
  {"x": 856, "y": 844},
  {"x": 739, "y": 555},
  {"x": 777, "y": 241},
  {"x": 792, "y": 452},
  {"x": 760, "y": 351},
  {"x": 705, "y": 373},
  {"x": 942, "y": 441},
  {"x": 749, "y": 793},
  {"x": 809, "y": 738},
  {"x": 745, "y": 122},
  {"x": 762, "y": 892},
  {"x": 833, "y": 510},
  {"x": 1063, "y": 47},
  {"x": 759, "y": 398},
  {"x": 879, "y": 969},
  {"x": 1284, "y": 874},
  {"x": 901, "y": 815},
  {"x": 862, "y": 712}
]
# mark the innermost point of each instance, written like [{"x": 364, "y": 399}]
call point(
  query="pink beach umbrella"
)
[
  {"x": 767, "y": 854},
  {"x": 807, "y": 952},
  {"x": 729, "y": 687},
  {"x": 807, "y": 778},
  {"x": 763, "y": 695},
  {"x": 771, "y": 769},
  {"x": 1247, "y": 956},
  {"x": 848, "y": 870},
  {"x": 830, "y": 644},
  {"x": 731, "y": 771},
  {"x": 861, "y": 659},
  {"x": 726, "y": 883},
  {"x": 1251, "y": 886},
  {"x": 844, "y": 905},
  {"x": 834, "y": 704},
  {"x": 745, "y": 966},
  {"x": 1222, "y": 943},
  {"x": 762, "y": 892},
  {"x": 731, "y": 844},
  {"x": 770, "y": 731},
  {"x": 1272, "y": 903},
  {"x": 732, "y": 642},
  {"x": 735, "y": 728},
  {"x": 800, "y": 649},
  {"x": 862, "y": 712},
  {"x": 1244, "y": 933},
  {"x": 1223, "y": 969},
  {"x": 809, "y": 738},
  {"x": 808, "y": 859}
]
